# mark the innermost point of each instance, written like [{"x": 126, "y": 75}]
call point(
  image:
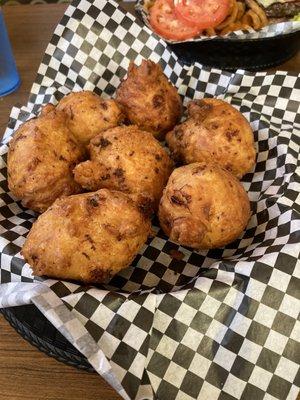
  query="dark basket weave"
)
[
  {"x": 31, "y": 324},
  {"x": 249, "y": 54}
]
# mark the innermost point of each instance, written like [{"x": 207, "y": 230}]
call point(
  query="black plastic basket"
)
[
  {"x": 232, "y": 54},
  {"x": 249, "y": 54},
  {"x": 31, "y": 324}
]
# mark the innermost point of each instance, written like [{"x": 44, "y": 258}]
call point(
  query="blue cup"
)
[{"x": 9, "y": 77}]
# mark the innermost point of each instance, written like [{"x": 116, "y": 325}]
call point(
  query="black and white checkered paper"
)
[
  {"x": 269, "y": 31},
  {"x": 219, "y": 324}
]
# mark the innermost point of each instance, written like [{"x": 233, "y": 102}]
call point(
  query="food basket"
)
[
  {"x": 218, "y": 324},
  {"x": 251, "y": 50}
]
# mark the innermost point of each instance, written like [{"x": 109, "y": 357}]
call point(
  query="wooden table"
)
[{"x": 26, "y": 373}]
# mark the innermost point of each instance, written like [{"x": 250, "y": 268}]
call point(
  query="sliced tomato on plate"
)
[
  {"x": 165, "y": 22},
  {"x": 202, "y": 13}
]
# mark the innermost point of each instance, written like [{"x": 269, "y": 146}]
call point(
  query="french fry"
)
[
  {"x": 259, "y": 11},
  {"x": 235, "y": 26},
  {"x": 241, "y": 10},
  {"x": 255, "y": 20},
  {"x": 243, "y": 14},
  {"x": 231, "y": 18},
  {"x": 210, "y": 32}
]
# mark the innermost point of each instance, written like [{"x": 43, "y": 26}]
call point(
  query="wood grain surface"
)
[
  {"x": 25, "y": 372},
  {"x": 30, "y": 29},
  {"x": 28, "y": 374}
]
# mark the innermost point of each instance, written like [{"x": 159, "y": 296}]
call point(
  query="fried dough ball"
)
[
  {"x": 86, "y": 237},
  {"x": 41, "y": 158},
  {"x": 149, "y": 100},
  {"x": 215, "y": 131},
  {"x": 203, "y": 206},
  {"x": 126, "y": 159},
  {"x": 89, "y": 114}
]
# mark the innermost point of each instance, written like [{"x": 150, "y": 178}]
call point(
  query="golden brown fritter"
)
[
  {"x": 203, "y": 206},
  {"x": 149, "y": 100},
  {"x": 215, "y": 131},
  {"x": 126, "y": 159},
  {"x": 89, "y": 114},
  {"x": 87, "y": 237},
  {"x": 41, "y": 158}
]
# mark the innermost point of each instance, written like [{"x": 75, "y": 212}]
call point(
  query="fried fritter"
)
[
  {"x": 149, "y": 100},
  {"x": 126, "y": 159},
  {"x": 41, "y": 157},
  {"x": 215, "y": 131},
  {"x": 203, "y": 206},
  {"x": 89, "y": 114},
  {"x": 87, "y": 237}
]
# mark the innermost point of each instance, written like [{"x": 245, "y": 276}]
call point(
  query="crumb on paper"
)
[{"x": 176, "y": 255}]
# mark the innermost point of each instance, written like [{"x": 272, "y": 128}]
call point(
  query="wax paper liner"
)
[
  {"x": 272, "y": 30},
  {"x": 219, "y": 324}
]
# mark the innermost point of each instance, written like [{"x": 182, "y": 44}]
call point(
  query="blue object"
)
[{"x": 9, "y": 77}]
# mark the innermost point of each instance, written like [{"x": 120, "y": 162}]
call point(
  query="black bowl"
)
[
  {"x": 33, "y": 326},
  {"x": 231, "y": 54}
]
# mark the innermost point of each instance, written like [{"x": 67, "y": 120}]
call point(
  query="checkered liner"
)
[
  {"x": 282, "y": 28},
  {"x": 219, "y": 324}
]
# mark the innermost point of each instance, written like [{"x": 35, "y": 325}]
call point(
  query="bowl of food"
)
[
  {"x": 96, "y": 172},
  {"x": 145, "y": 312},
  {"x": 227, "y": 34},
  {"x": 96, "y": 169}
]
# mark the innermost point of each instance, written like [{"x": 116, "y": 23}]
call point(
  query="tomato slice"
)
[
  {"x": 202, "y": 13},
  {"x": 165, "y": 22}
]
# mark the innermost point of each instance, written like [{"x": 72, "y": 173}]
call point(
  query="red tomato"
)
[
  {"x": 202, "y": 13},
  {"x": 165, "y": 22}
]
